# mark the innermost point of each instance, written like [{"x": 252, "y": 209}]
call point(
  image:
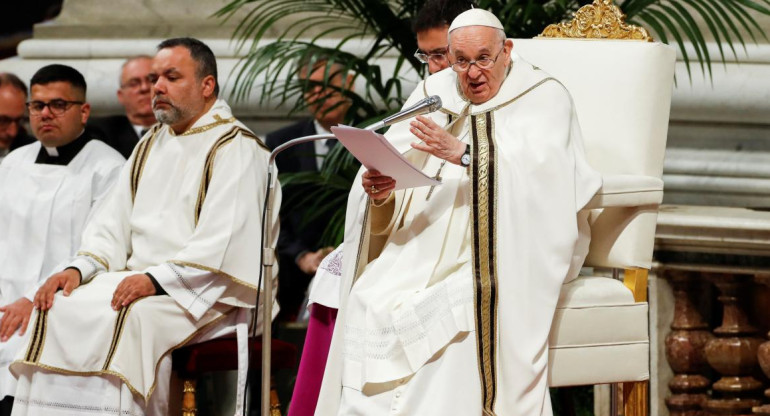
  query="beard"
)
[{"x": 169, "y": 116}]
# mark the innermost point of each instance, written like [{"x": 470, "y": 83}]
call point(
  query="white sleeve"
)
[
  {"x": 87, "y": 266},
  {"x": 194, "y": 289}
]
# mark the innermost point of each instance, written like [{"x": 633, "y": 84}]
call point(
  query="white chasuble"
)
[
  {"x": 187, "y": 209},
  {"x": 477, "y": 261},
  {"x": 43, "y": 209}
]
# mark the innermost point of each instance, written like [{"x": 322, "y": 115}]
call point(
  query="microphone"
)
[{"x": 424, "y": 106}]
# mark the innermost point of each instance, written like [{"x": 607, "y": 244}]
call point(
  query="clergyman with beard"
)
[{"x": 169, "y": 256}]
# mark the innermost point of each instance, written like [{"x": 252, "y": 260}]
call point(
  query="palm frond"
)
[
  {"x": 350, "y": 36},
  {"x": 726, "y": 21}
]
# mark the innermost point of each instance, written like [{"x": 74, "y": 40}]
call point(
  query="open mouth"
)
[{"x": 477, "y": 86}]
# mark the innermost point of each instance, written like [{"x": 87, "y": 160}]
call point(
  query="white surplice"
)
[
  {"x": 469, "y": 272},
  {"x": 187, "y": 209},
  {"x": 43, "y": 209}
]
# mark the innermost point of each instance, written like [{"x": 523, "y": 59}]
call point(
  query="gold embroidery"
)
[
  {"x": 140, "y": 158},
  {"x": 120, "y": 323},
  {"x": 208, "y": 168},
  {"x": 600, "y": 20},
  {"x": 212, "y": 270},
  {"x": 35, "y": 345},
  {"x": 218, "y": 121},
  {"x": 121, "y": 376},
  {"x": 485, "y": 277},
  {"x": 99, "y": 259},
  {"x": 185, "y": 341}
]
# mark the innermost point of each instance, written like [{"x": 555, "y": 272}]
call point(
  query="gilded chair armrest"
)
[{"x": 627, "y": 191}]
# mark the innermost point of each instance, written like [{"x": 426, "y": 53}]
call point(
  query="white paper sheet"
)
[{"x": 375, "y": 152}]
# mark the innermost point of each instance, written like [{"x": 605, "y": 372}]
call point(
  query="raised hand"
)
[{"x": 436, "y": 140}]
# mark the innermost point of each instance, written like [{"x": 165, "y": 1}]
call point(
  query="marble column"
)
[
  {"x": 685, "y": 346},
  {"x": 733, "y": 353}
]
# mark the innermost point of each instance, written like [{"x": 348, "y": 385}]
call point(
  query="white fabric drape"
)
[{"x": 43, "y": 209}]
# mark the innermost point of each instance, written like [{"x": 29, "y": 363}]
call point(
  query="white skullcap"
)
[{"x": 476, "y": 17}]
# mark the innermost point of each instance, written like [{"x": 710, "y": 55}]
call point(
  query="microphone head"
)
[{"x": 435, "y": 103}]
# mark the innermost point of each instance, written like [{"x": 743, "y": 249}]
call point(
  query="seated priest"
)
[
  {"x": 170, "y": 256},
  {"x": 448, "y": 292},
  {"x": 47, "y": 191}
]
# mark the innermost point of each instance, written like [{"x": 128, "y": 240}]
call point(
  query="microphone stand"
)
[
  {"x": 268, "y": 259},
  {"x": 426, "y": 105}
]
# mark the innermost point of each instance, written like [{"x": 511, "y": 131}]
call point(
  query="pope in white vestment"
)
[
  {"x": 448, "y": 293},
  {"x": 186, "y": 209},
  {"x": 43, "y": 209}
]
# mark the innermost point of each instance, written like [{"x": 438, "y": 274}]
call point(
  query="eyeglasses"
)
[
  {"x": 57, "y": 107},
  {"x": 137, "y": 82},
  {"x": 6, "y": 121},
  {"x": 485, "y": 62},
  {"x": 437, "y": 56}
]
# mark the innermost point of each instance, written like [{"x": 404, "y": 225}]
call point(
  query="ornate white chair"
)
[{"x": 622, "y": 94}]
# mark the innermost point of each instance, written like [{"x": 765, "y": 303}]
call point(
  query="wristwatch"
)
[{"x": 465, "y": 159}]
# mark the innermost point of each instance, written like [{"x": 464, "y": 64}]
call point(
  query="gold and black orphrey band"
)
[{"x": 484, "y": 263}]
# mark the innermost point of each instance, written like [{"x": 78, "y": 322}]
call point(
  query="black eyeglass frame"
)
[{"x": 57, "y": 106}]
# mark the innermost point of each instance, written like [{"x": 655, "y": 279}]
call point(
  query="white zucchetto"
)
[{"x": 476, "y": 17}]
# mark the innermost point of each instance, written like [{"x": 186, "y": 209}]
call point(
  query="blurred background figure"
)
[
  {"x": 431, "y": 27},
  {"x": 122, "y": 132},
  {"x": 13, "y": 116},
  {"x": 299, "y": 244}
]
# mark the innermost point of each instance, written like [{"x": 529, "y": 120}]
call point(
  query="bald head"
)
[{"x": 135, "y": 90}]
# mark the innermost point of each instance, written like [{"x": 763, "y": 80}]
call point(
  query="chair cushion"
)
[
  {"x": 222, "y": 354},
  {"x": 627, "y": 191},
  {"x": 599, "y": 334}
]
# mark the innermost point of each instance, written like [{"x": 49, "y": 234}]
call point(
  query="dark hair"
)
[
  {"x": 59, "y": 73},
  {"x": 438, "y": 13},
  {"x": 200, "y": 53},
  {"x": 7, "y": 78}
]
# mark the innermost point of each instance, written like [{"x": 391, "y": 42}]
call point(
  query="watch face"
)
[{"x": 465, "y": 160}]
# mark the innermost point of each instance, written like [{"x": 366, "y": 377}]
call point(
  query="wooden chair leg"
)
[
  {"x": 188, "y": 398},
  {"x": 635, "y": 398},
  {"x": 275, "y": 404}
]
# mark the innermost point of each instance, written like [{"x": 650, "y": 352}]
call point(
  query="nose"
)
[
  {"x": 46, "y": 113},
  {"x": 158, "y": 87},
  {"x": 474, "y": 71},
  {"x": 146, "y": 85},
  {"x": 13, "y": 129},
  {"x": 434, "y": 67}
]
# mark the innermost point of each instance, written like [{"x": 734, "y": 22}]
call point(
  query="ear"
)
[
  {"x": 349, "y": 82},
  {"x": 121, "y": 97},
  {"x": 85, "y": 112},
  {"x": 208, "y": 83},
  {"x": 508, "y": 48}
]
